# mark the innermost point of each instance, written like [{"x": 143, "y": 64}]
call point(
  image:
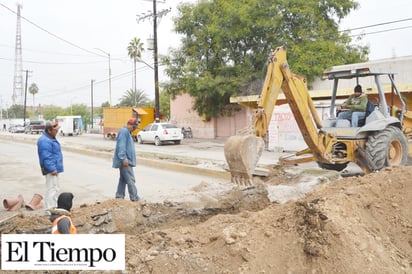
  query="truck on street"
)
[
  {"x": 114, "y": 118},
  {"x": 35, "y": 126},
  {"x": 70, "y": 125}
]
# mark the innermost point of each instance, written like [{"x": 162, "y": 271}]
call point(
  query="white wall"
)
[{"x": 284, "y": 133}]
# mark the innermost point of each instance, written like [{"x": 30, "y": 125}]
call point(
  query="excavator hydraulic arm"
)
[{"x": 242, "y": 153}]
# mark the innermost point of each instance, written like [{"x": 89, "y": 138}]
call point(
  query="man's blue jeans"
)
[
  {"x": 127, "y": 178},
  {"x": 353, "y": 116}
]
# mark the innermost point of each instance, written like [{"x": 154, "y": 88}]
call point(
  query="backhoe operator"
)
[{"x": 354, "y": 107}]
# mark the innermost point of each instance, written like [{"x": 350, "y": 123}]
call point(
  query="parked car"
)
[
  {"x": 16, "y": 128},
  {"x": 159, "y": 133}
]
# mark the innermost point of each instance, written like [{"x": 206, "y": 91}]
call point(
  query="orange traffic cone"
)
[
  {"x": 13, "y": 204},
  {"x": 35, "y": 202}
]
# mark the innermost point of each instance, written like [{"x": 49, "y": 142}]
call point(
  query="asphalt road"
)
[
  {"x": 91, "y": 177},
  {"x": 193, "y": 171}
]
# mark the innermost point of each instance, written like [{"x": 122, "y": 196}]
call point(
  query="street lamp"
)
[
  {"x": 140, "y": 60},
  {"x": 110, "y": 77}
]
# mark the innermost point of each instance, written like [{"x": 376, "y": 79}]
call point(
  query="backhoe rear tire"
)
[
  {"x": 387, "y": 148},
  {"x": 337, "y": 167}
]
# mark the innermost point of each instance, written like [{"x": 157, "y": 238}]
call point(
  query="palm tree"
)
[
  {"x": 133, "y": 98},
  {"x": 33, "y": 89},
  {"x": 134, "y": 50}
]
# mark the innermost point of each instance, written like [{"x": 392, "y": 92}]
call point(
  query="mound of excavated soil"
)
[{"x": 352, "y": 225}]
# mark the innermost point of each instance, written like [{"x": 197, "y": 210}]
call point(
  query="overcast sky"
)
[{"x": 63, "y": 72}]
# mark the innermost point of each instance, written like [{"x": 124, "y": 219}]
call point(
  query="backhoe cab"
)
[{"x": 381, "y": 141}]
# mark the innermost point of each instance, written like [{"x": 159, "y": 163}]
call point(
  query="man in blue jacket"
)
[
  {"x": 51, "y": 162},
  {"x": 125, "y": 159}
]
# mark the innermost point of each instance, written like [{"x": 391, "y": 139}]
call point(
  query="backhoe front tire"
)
[{"x": 387, "y": 148}]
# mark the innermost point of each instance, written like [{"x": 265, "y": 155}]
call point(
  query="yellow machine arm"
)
[{"x": 243, "y": 152}]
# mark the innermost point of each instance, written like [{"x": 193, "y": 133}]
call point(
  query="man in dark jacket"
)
[
  {"x": 61, "y": 216},
  {"x": 354, "y": 107},
  {"x": 51, "y": 162}
]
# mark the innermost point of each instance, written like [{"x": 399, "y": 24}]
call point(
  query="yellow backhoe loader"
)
[{"x": 384, "y": 139}]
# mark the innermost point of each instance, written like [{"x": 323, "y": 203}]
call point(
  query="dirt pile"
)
[{"x": 352, "y": 225}]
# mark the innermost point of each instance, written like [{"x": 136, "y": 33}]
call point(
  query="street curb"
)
[
  {"x": 184, "y": 168},
  {"x": 154, "y": 163},
  {"x": 162, "y": 164}
]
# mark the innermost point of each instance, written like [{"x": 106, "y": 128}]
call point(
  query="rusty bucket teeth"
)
[
  {"x": 242, "y": 181},
  {"x": 242, "y": 154}
]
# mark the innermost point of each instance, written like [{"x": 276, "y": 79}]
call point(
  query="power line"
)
[
  {"x": 55, "y": 63},
  {"x": 50, "y": 33},
  {"x": 379, "y": 24},
  {"x": 380, "y": 31},
  {"x": 121, "y": 75},
  {"x": 62, "y": 53},
  {"x": 116, "y": 77}
]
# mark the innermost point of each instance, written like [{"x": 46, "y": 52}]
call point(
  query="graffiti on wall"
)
[{"x": 284, "y": 133}]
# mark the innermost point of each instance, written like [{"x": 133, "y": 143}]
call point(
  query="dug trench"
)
[
  {"x": 122, "y": 216},
  {"x": 349, "y": 225}
]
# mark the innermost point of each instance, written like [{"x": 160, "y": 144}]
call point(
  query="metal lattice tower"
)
[{"x": 18, "y": 63}]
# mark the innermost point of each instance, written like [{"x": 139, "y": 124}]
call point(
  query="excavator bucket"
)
[{"x": 242, "y": 154}]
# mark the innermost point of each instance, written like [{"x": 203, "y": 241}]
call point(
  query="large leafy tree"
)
[
  {"x": 133, "y": 98},
  {"x": 134, "y": 50},
  {"x": 226, "y": 43}
]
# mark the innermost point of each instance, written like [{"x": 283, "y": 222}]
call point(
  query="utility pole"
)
[
  {"x": 155, "y": 16},
  {"x": 25, "y": 98},
  {"x": 156, "y": 67},
  {"x": 110, "y": 82},
  {"x": 91, "y": 95}
]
